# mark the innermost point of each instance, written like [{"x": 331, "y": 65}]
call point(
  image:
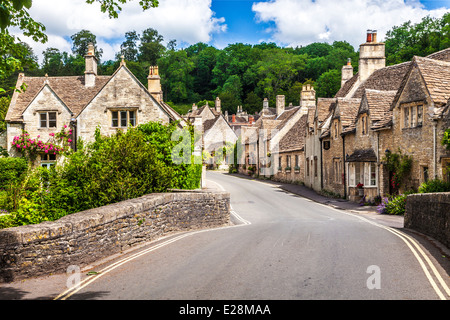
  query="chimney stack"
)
[
  {"x": 281, "y": 104},
  {"x": 265, "y": 104},
  {"x": 371, "y": 56},
  {"x": 217, "y": 105},
  {"x": 233, "y": 118},
  {"x": 307, "y": 98},
  {"x": 347, "y": 72},
  {"x": 91, "y": 66},
  {"x": 154, "y": 83},
  {"x": 250, "y": 120},
  {"x": 194, "y": 107}
]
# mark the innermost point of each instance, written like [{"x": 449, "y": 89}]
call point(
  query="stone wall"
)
[
  {"x": 85, "y": 237},
  {"x": 429, "y": 213}
]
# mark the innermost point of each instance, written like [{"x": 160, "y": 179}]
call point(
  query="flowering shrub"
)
[
  {"x": 57, "y": 144},
  {"x": 381, "y": 208},
  {"x": 359, "y": 185}
]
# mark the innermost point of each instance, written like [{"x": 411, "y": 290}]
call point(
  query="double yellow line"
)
[{"x": 419, "y": 254}]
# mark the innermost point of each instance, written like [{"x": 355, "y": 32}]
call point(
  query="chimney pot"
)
[
  {"x": 233, "y": 118},
  {"x": 369, "y": 35}
]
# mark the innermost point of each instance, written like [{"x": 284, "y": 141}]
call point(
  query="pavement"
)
[{"x": 366, "y": 211}]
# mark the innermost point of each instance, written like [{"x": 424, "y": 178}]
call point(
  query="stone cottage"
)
[
  {"x": 84, "y": 103},
  {"x": 400, "y": 108},
  {"x": 216, "y": 133}
]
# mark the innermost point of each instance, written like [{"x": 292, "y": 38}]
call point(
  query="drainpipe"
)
[
  {"x": 343, "y": 165},
  {"x": 321, "y": 165},
  {"x": 434, "y": 147},
  {"x": 378, "y": 163}
]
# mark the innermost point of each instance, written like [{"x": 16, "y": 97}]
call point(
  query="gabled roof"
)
[
  {"x": 378, "y": 104},
  {"x": 71, "y": 90},
  {"x": 294, "y": 139},
  {"x": 436, "y": 76},
  {"x": 346, "y": 110}
]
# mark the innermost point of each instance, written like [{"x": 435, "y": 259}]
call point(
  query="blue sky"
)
[{"x": 222, "y": 22}]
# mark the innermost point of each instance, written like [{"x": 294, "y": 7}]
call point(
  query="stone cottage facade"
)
[
  {"x": 383, "y": 110},
  {"x": 216, "y": 132},
  {"x": 84, "y": 103}
]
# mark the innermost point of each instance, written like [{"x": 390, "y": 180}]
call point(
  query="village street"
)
[{"x": 282, "y": 246}]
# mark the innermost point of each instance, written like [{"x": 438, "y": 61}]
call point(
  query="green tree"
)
[
  {"x": 151, "y": 47},
  {"x": 53, "y": 64},
  {"x": 80, "y": 42},
  {"x": 328, "y": 84},
  {"x": 176, "y": 79},
  {"x": 421, "y": 39},
  {"x": 129, "y": 48}
]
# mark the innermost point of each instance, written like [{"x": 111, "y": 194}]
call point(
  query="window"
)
[
  {"x": 419, "y": 115},
  {"x": 307, "y": 167},
  {"x": 406, "y": 117},
  {"x": 279, "y": 162},
  {"x": 373, "y": 174},
  {"x": 412, "y": 115},
  {"x": 336, "y": 130},
  {"x": 47, "y": 119},
  {"x": 364, "y": 125},
  {"x": 337, "y": 170},
  {"x": 425, "y": 174},
  {"x": 315, "y": 166},
  {"x": 123, "y": 118},
  {"x": 48, "y": 160},
  {"x": 288, "y": 161},
  {"x": 297, "y": 165}
]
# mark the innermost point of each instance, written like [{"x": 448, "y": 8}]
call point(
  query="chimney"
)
[
  {"x": 250, "y": 120},
  {"x": 371, "y": 56},
  {"x": 91, "y": 66},
  {"x": 347, "y": 72},
  {"x": 280, "y": 104},
  {"x": 217, "y": 105},
  {"x": 154, "y": 83},
  {"x": 265, "y": 104},
  {"x": 233, "y": 118},
  {"x": 226, "y": 116},
  {"x": 369, "y": 36},
  {"x": 194, "y": 107},
  {"x": 307, "y": 97}
]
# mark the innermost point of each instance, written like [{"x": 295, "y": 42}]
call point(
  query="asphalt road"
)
[{"x": 285, "y": 247}]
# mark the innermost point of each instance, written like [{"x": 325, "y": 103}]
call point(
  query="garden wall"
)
[
  {"x": 429, "y": 213},
  {"x": 85, "y": 237}
]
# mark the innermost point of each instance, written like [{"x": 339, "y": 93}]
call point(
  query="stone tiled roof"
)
[
  {"x": 294, "y": 139},
  {"x": 436, "y": 74},
  {"x": 443, "y": 55},
  {"x": 379, "y": 103},
  {"x": 71, "y": 90},
  {"x": 324, "y": 106},
  {"x": 345, "y": 89},
  {"x": 385, "y": 79},
  {"x": 346, "y": 110}
]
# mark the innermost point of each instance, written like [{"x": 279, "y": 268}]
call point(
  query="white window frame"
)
[{"x": 47, "y": 119}]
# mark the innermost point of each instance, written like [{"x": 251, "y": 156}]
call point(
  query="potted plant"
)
[{"x": 360, "y": 189}]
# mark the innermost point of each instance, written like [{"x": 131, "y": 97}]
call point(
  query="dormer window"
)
[{"x": 47, "y": 119}]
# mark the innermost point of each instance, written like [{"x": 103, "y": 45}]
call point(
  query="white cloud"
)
[
  {"x": 301, "y": 22},
  {"x": 187, "y": 21}
]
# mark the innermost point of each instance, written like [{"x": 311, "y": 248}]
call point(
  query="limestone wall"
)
[
  {"x": 429, "y": 213},
  {"x": 84, "y": 237}
]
